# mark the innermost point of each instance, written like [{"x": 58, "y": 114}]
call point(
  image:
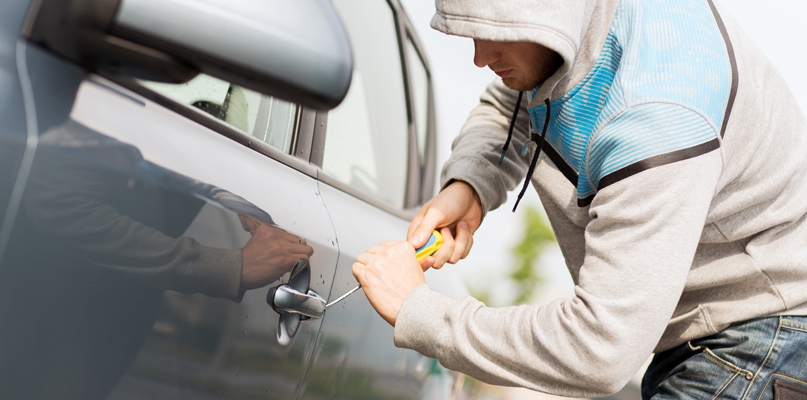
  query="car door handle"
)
[{"x": 288, "y": 299}]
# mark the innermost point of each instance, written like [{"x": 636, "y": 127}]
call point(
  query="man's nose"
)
[{"x": 485, "y": 53}]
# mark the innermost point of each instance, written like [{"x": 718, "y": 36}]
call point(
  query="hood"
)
[{"x": 575, "y": 29}]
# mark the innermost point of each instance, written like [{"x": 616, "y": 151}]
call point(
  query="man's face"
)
[{"x": 521, "y": 65}]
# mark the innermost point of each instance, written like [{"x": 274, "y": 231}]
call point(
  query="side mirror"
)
[{"x": 294, "y": 50}]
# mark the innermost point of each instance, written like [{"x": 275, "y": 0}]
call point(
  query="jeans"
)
[{"x": 760, "y": 359}]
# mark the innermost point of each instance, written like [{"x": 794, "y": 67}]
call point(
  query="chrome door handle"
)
[
  {"x": 290, "y": 300},
  {"x": 295, "y": 302}
]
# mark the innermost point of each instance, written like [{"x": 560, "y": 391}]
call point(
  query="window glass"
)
[
  {"x": 267, "y": 118},
  {"x": 420, "y": 96},
  {"x": 366, "y": 144}
]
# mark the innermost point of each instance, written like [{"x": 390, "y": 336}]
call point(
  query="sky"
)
[{"x": 778, "y": 27}]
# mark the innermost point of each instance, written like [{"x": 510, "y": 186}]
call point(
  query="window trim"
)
[
  {"x": 317, "y": 146},
  {"x": 316, "y": 135},
  {"x": 208, "y": 121},
  {"x": 412, "y": 193},
  {"x": 428, "y": 172},
  {"x": 303, "y": 141},
  {"x": 419, "y": 183}
]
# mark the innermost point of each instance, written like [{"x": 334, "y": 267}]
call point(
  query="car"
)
[{"x": 184, "y": 185}]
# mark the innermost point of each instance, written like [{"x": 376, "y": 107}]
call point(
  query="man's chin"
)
[{"x": 517, "y": 85}]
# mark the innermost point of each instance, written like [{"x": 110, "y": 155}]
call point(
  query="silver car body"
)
[{"x": 103, "y": 177}]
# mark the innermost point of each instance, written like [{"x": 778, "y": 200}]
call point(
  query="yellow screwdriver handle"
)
[{"x": 431, "y": 246}]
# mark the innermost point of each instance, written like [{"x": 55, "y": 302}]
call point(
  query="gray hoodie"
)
[{"x": 673, "y": 172}]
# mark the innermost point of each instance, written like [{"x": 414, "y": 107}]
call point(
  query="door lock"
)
[
  {"x": 287, "y": 299},
  {"x": 295, "y": 302}
]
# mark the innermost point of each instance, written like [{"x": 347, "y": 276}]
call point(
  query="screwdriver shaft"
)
[{"x": 342, "y": 297}]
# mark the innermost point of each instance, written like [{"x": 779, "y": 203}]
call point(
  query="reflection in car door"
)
[{"x": 124, "y": 263}]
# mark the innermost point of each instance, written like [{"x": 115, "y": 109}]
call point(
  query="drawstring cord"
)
[
  {"x": 512, "y": 124},
  {"x": 535, "y": 138}
]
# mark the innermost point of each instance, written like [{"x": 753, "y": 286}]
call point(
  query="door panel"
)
[
  {"x": 356, "y": 358},
  {"x": 249, "y": 360},
  {"x": 122, "y": 275}
]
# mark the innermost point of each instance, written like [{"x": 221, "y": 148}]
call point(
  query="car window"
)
[
  {"x": 419, "y": 82},
  {"x": 264, "y": 117},
  {"x": 366, "y": 142}
]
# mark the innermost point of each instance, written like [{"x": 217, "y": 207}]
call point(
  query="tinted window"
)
[
  {"x": 267, "y": 118},
  {"x": 366, "y": 144},
  {"x": 419, "y": 82}
]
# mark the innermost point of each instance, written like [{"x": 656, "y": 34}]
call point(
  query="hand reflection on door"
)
[{"x": 101, "y": 233}]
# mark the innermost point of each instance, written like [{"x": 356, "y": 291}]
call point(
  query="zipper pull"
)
[
  {"x": 534, "y": 138},
  {"x": 527, "y": 144}
]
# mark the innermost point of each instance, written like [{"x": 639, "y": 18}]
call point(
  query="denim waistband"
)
[{"x": 740, "y": 362}]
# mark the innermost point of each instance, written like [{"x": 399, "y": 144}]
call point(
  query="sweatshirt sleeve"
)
[
  {"x": 477, "y": 149},
  {"x": 639, "y": 247}
]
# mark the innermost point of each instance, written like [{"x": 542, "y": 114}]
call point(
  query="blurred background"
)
[{"x": 506, "y": 266}]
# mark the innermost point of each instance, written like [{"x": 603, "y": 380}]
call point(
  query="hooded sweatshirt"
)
[{"x": 673, "y": 172}]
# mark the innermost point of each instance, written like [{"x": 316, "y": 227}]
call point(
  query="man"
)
[{"x": 671, "y": 160}]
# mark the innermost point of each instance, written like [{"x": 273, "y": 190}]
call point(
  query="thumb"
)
[{"x": 424, "y": 230}]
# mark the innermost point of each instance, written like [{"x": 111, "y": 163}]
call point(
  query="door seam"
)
[{"x": 31, "y": 143}]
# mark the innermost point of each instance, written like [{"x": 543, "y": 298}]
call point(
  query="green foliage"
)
[
  {"x": 481, "y": 295},
  {"x": 537, "y": 234},
  {"x": 535, "y": 237}
]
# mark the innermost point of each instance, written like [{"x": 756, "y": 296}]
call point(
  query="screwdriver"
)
[{"x": 431, "y": 246}]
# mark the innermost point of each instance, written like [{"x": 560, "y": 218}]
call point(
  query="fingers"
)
[
  {"x": 306, "y": 256},
  {"x": 282, "y": 234},
  {"x": 376, "y": 249},
  {"x": 297, "y": 248},
  {"x": 457, "y": 202},
  {"x": 423, "y": 231},
  {"x": 445, "y": 251},
  {"x": 380, "y": 249},
  {"x": 276, "y": 233},
  {"x": 462, "y": 243},
  {"x": 388, "y": 277},
  {"x": 357, "y": 268},
  {"x": 426, "y": 263},
  {"x": 468, "y": 247},
  {"x": 366, "y": 258},
  {"x": 247, "y": 223},
  {"x": 453, "y": 249}
]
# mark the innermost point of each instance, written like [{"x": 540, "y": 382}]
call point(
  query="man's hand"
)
[
  {"x": 457, "y": 212},
  {"x": 387, "y": 273},
  {"x": 270, "y": 253}
]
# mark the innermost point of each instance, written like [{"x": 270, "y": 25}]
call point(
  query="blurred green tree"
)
[
  {"x": 527, "y": 251},
  {"x": 537, "y": 234}
]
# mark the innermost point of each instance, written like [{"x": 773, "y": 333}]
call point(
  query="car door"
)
[
  {"x": 376, "y": 165},
  {"x": 122, "y": 277},
  {"x": 13, "y": 127}
]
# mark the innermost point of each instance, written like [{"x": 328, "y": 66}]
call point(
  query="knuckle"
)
[{"x": 357, "y": 268}]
